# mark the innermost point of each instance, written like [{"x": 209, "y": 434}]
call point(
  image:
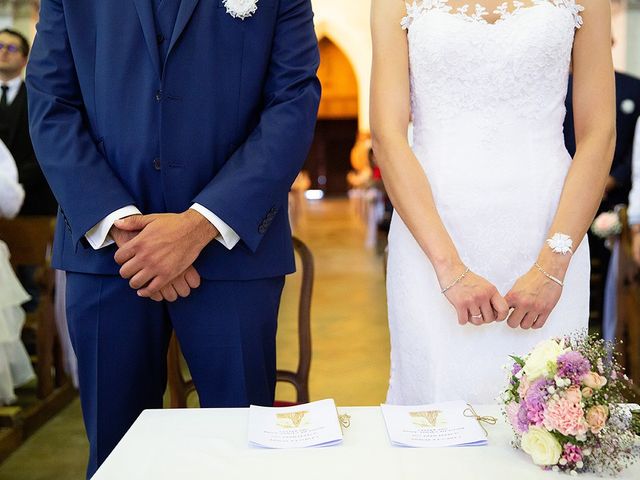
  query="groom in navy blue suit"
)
[{"x": 170, "y": 132}]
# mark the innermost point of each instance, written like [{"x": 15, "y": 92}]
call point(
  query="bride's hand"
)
[
  {"x": 475, "y": 299},
  {"x": 533, "y": 298}
]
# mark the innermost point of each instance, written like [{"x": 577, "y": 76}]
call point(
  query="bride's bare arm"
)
[
  {"x": 594, "y": 107},
  {"x": 594, "y": 118},
  {"x": 404, "y": 178}
]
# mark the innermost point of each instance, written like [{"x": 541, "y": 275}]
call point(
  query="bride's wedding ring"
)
[{"x": 477, "y": 316}]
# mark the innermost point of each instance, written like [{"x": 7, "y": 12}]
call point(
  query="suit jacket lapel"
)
[
  {"x": 145, "y": 12},
  {"x": 187, "y": 8}
]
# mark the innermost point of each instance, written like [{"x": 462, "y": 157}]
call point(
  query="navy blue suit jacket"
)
[
  {"x": 628, "y": 111},
  {"x": 225, "y": 120}
]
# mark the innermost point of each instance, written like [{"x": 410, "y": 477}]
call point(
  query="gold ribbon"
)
[
  {"x": 344, "y": 419},
  {"x": 471, "y": 413}
]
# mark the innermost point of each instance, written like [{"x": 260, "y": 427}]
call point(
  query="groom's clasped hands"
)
[{"x": 156, "y": 252}]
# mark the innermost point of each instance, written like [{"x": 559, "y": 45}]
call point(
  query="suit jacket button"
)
[{"x": 156, "y": 164}]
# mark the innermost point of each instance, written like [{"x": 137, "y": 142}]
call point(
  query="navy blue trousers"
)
[{"x": 226, "y": 329}]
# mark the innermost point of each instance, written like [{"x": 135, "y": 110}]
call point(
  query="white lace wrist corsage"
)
[
  {"x": 241, "y": 8},
  {"x": 561, "y": 243}
]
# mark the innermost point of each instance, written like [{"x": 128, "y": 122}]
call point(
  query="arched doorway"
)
[{"x": 329, "y": 159}]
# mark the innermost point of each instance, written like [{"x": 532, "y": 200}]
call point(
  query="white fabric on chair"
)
[
  {"x": 15, "y": 366},
  {"x": 11, "y": 192}
]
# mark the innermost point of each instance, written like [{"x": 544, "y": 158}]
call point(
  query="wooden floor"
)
[{"x": 350, "y": 340}]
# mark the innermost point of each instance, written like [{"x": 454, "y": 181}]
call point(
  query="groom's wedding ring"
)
[{"x": 477, "y": 316}]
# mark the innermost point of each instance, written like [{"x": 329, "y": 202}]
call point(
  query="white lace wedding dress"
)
[{"x": 488, "y": 110}]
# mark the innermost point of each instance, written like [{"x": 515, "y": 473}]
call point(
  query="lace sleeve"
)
[
  {"x": 575, "y": 8},
  {"x": 413, "y": 11}
]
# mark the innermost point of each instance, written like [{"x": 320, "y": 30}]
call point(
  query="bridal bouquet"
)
[{"x": 565, "y": 402}]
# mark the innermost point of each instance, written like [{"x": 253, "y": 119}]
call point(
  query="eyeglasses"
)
[{"x": 9, "y": 47}]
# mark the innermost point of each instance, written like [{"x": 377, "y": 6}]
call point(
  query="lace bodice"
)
[
  {"x": 512, "y": 70},
  {"x": 415, "y": 9}
]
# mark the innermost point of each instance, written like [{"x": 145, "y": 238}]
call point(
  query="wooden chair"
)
[
  {"x": 30, "y": 240},
  {"x": 181, "y": 387},
  {"x": 628, "y": 299}
]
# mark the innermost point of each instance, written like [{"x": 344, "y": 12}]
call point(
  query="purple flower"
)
[
  {"x": 516, "y": 368},
  {"x": 522, "y": 420},
  {"x": 574, "y": 366},
  {"x": 535, "y": 401}
]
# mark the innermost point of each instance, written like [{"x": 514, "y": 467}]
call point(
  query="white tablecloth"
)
[{"x": 212, "y": 444}]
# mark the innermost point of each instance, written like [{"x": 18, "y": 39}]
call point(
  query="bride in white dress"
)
[{"x": 487, "y": 182}]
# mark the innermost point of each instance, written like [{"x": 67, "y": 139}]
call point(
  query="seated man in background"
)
[
  {"x": 14, "y": 132},
  {"x": 14, "y": 124}
]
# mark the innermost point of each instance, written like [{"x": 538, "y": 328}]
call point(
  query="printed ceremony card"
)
[
  {"x": 450, "y": 424},
  {"x": 314, "y": 424}
]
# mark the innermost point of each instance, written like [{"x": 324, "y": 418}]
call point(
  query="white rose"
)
[
  {"x": 543, "y": 359},
  {"x": 543, "y": 447}
]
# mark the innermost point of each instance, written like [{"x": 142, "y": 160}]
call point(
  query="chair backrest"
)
[
  {"x": 29, "y": 239},
  {"x": 300, "y": 378},
  {"x": 180, "y": 388},
  {"x": 628, "y": 306}
]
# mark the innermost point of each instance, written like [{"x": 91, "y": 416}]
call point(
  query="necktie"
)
[{"x": 4, "y": 101}]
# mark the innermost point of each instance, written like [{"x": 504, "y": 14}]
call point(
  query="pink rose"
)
[
  {"x": 573, "y": 394},
  {"x": 597, "y": 418},
  {"x": 565, "y": 417},
  {"x": 587, "y": 392},
  {"x": 595, "y": 381}
]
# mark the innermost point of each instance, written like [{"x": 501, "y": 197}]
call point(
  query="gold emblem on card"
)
[
  {"x": 291, "y": 420},
  {"x": 428, "y": 419}
]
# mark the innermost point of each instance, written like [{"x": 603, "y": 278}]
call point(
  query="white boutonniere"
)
[{"x": 241, "y": 8}]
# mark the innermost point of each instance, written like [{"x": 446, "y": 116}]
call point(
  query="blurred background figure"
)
[
  {"x": 15, "y": 365},
  {"x": 618, "y": 184},
  {"x": 11, "y": 192},
  {"x": 14, "y": 124},
  {"x": 14, "y": 132}
]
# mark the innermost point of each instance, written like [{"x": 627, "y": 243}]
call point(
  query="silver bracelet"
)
[
  {"x": 548, "y": 275},
  {"x": 456, "y": 281}
]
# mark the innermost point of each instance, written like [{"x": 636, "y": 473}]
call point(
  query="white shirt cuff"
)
[
  {"x": 228, "y": 237},
  {"x": 98, "y": 237}
]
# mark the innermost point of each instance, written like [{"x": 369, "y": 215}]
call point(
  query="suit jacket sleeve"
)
[
  {"x": 247, "y": 192},
  {"x": 84, "y": 184}
]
